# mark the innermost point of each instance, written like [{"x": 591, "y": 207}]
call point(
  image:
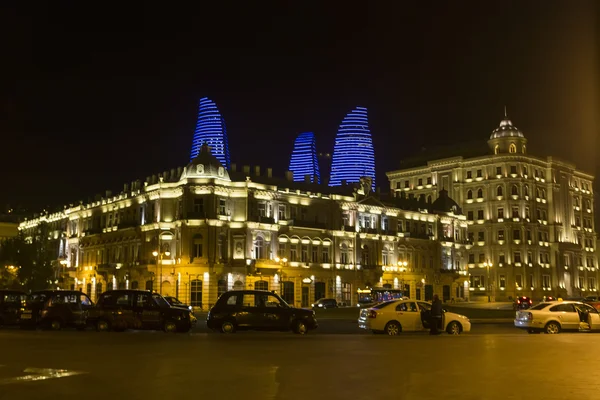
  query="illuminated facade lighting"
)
[
  {"x": 210, "y": 129},
  {"x": 353, "y": 154},
  {"x": 304, "y": 158}
]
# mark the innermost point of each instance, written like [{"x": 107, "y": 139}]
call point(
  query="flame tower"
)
[
  {"x": 210, "y": 129},
  {"x": 304, "y": 158},
  {"x": 353, "y": 154}
]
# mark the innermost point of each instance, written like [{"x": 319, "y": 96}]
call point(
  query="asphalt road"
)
[{"x": 490, "y": 363}]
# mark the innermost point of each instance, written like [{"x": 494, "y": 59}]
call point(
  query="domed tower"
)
[
  {"x": 506, "y": 138},
  {"x": 205, "y": 165}
]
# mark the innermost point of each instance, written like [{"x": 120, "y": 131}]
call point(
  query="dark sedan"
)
[{"x": 258, "y": 310}]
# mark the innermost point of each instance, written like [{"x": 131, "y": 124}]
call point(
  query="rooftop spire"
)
[{"x": 505, "y": 115}]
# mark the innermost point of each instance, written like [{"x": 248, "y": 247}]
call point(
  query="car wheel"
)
[
  {"x": 552, "y": 328},
  {"x": 454, "y": 328},
  {"x": 170, "y": 326},
  {"x": 56, "y": 324},
  {"x": 393, "y": 328},
  {"x": 228, "y": 327},
  {"x": 300, "y": 328},
  {"x": 102, "y": 326}
]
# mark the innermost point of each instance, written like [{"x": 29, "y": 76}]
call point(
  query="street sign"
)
[{"x": 39, "y": 374}]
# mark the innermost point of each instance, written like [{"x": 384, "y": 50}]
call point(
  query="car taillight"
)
[
  {"x": 518, "y": 301},
  {"x": 530, "y": 301},
  {"x": 372, "y": 314}
]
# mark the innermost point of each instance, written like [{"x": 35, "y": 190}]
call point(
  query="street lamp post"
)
[
  {"x": 487, "y": 265},
  {"x": 156, "y": 254},
  {"x": 402, "y": 265}
]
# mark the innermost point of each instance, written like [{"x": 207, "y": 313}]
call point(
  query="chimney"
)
[
  {"x": 246, "y": 169},
  {"x": 108, "y": 193},
  {"x": 378, "y": 191},
  {"x": 148, "y": 179},
  {"x": 257, "y": 171},
  {"x": 233, "y": 167},
  {"x": 269, "y": 172},
  {"x": 125, "y": 188},
  {"x": 173, "y": 175},
  {"x": 98, "y": 197},
  {"x": 289, "y": 175},
  {"x": 179, "y": 172},
  {"x": 306, "y": 178}
]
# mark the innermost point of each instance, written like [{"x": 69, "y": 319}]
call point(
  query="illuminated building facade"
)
[
  {"x": 201, "y": 230},
  {"x": 531, "y": 219},
  {"x": 303, "y": 162},
  {"x": 210, "y": 129},
  {"x": 353, "y": 154}
]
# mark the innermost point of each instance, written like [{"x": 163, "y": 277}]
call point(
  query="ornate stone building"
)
[
  {"x": 199, "y": 231},
  {"x": 531, "y": 219}
]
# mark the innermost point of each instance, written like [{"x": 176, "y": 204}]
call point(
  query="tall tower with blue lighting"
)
[
  {"x": 304, "y": 158},
  {"x": 353, "y": 153},
  {"x": 210, "y": 129}
]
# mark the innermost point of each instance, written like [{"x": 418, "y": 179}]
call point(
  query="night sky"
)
[{"x": 95, "y": 97}]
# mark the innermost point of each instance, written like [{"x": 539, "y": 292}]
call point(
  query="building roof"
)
[
  {"x": 205, "y": 165},
  {"x": 506, "y": 129},
  {"x": 445, "y": 203}
]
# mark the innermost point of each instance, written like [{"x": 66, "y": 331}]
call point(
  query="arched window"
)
[
  {"x": 588, "y": 204},
  {"x": 469, "y": 194},
  {"x": 121, "y": 285},
  {"x": 543, "y": 193},
  {"x": 261, "y": 285},
  {"x": 221, "y": 287},
  {"x": 88, "y": 289},
  {"x": 344, "y": 254},
  {"x": 320, "y": 291},
  {"x": 499, "y": 191},
  {"x": 537, "y": 192},
  {"x": 515, "y": 190},
  {"x": 480, "y": 193},
  {"x": 287, "y": 292},
  {"x": 197, "y": 250},
  {"x": 149, "y": 285},
  {"x": 166, "y": 288},
  {"x": 429, "y": 199},
  {"x": 524, "y": 149},
  {"x": 259, "y": 248},
  {"x": 98, "y": 289},
  {"x": 365, "y": 256},
  {"x": 238, "y": 285},
  {"x": 385, "y": 256},
  {"x": 496, "y": 149},
  {"x": 135, "y": 285},
  {"x": 512, "y": 148},
  {"x": 196, "y": 293},
  {"x": 526, "y": 190},
  {"x": 387, "y": 285}
]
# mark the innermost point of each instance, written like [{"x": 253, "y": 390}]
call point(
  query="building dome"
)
[
  {"x": 445, "y": 204},
  {"x": 205, "y": 165},
  {"x": 506, "y": 129}
]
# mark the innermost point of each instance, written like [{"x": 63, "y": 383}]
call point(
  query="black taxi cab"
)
[
  {"x": 138, "y": 309},
  {"x": 55, "y": 309},
  {"x": 258, "y": 310},
  {"x": 11, "y": 302}
]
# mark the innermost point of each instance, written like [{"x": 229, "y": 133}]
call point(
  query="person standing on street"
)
[{"x": 436, "y": 315}]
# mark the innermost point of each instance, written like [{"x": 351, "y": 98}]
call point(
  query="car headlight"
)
[{"x": 312, "y": 305}]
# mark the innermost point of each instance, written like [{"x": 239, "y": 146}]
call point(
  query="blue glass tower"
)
[
  {"x": 210, "y": 129},
  {"x": 304, "y": 158},
  {"x": 353, "y": 154}
]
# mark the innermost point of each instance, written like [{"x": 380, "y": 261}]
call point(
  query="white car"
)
[
  {"x": 395, "y": 316},
  {"x": 556, "y": 316}
]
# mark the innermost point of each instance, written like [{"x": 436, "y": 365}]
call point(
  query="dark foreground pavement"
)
[{"x": 263, "y": 366}]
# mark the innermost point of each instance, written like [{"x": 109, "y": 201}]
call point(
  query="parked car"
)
[
  {"x": 138, "y": 309},
  {"x": 11, "y": 302},
  {"x": 396, "y": 316},
  {"x": 258, "y": 310},
  {"x": 522, "y": 303},
  {"x": 56, "y": 309},
  {"x": 325, "y": 303},
  {"x": 556, "y": 316},
  {"x": 174, "y": 302}
]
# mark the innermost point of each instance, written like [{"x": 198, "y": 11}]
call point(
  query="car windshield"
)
[
  {"x": 384, "y": 304},
  {"x": 160, "y": 300},
  {"x": 540, "y": 306},
  {"x": 173, "y": 300}
]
